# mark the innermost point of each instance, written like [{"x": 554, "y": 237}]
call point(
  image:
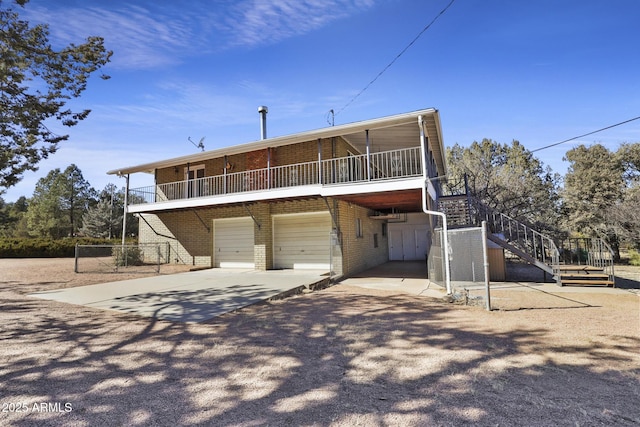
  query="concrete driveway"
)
[{"x": 188, "y": 297}]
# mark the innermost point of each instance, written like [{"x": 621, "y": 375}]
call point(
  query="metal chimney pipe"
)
[{"x": 263, "y": 121}]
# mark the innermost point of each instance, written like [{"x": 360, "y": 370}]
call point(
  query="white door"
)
[
  {"x": 395, "y": 245},
  {"x": 301, "y": 241},
  {"x": 233, "y": 243},
  {"x": 409, "y": 245}
]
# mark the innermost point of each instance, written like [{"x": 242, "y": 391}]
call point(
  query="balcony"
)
[{"x": 383, "y": 166}]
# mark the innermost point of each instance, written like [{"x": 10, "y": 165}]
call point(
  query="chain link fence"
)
[{"x": 141, "y": 258}]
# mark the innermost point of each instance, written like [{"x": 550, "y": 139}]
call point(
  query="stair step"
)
[
  {"x": 586, "y": 268},
  {"x": 588, "y": 282},
  {"x": 591, "y": 276}
]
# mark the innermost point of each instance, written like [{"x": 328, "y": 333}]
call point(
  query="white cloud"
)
[
  {"x": 139, "y": 36},
  {"x": 153, "y": 34},
  {"x": 258, "y": 22}
]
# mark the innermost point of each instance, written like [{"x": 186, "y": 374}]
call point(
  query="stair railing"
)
[
  {"x": 540, "y": 247},
  {"x": 601, "y": 256},
  {"x": 592, "y": 251}
]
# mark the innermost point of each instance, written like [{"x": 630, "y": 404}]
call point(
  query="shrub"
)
[
  {"x": 126, "y": 256},
  {"x": 634, "y": 258},
  {"x": 44, "y": 248}
]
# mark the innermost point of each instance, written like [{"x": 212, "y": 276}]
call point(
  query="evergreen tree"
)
[
  {"x": 624, "y": 214},
  {"x": 105, "y": 219},
  {"x": 508, "y": 179},
  {"x": 36, "y": 81},
  {"x": 58, "y": 203},
  {"x": 593, "y": 183},
  {"x": 11, "y": 217}
]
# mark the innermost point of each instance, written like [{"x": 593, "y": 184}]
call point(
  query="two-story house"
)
[{"x": 344, "y": 198}]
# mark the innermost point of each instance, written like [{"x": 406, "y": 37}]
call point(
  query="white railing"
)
[
  {"x": 395, "y": 164},
  {"x": 294, "y": 175}
]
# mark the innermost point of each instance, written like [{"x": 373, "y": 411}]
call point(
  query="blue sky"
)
[{"x": 536, "y": 71}]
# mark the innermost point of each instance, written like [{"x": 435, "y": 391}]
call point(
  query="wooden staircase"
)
[{"x": 583, "y": 275}]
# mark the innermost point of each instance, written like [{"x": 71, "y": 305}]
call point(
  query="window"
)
[
  {"x": 358, "y": 227},
  {"x": 375, "y": 240},
  {"x": 384, "y": 229}
]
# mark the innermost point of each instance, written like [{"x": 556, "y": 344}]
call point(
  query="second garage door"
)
[
  {"x": 233, "y": 243},
  {"x": 301, "y": 241}
]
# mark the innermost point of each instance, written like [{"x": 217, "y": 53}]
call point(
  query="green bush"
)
[
  {"x": 127, "y": 256},
  {"x": 45, "y": 248},
  {"x": 634, "y": 258}
]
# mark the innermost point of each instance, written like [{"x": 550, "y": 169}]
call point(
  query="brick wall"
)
[
  {"x": 280, "y": 156},
  {"x": 193, "y": 243},
  {"x": 153, "y": 230},
  {"x": 360, "y": 253},
  {"x": 193, "y": 229}
]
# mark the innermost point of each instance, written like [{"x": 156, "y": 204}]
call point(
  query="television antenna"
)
[{"x": 199, "y": 144}]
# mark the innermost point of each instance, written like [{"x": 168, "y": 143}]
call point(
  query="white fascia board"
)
[
  {"x": 373, "y": 187},
  {"x": 282, "y": 193},
  {"x": 251, "y": 196},
  {"x": 431, "y": 190},
  {"x": 441, "y": 145},
  {"x": 333, "y": 131}
]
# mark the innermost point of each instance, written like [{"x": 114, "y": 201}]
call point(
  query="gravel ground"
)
[{"x": 343, "y": 356}]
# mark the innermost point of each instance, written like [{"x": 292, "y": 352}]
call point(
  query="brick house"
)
[{"x": 344, "y": 198}]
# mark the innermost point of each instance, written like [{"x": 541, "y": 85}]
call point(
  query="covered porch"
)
[{"x": 383, "y": 158}]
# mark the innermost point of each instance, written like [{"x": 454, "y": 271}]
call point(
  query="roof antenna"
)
[
  {"x": 199, "y": 144},
  {"x": 333, "y": 116}
]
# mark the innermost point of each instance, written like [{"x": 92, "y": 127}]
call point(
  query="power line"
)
[
  {"x": 396, "y": 58},
  {"x": 586, "y": 134}
]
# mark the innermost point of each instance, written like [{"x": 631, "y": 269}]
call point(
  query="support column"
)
[
  {"x": 224, "y": 175},
  {"x": 125, "y": 209},
  {"x": 268, "y": 167},
  {"x": 319, "y": 161},
  {"x": 263, "y": 236},
  {"x": 368, "y": 156}
]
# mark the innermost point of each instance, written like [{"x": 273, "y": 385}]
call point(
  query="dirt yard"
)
[{"x": 343, "y": 356}]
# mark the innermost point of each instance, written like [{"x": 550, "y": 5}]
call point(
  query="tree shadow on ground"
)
[{"x": 335, "y": 357}]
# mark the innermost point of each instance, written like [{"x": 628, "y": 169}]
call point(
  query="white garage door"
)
[
  {"x": 301, "y": 241},
  {"x": 233, "y": 243}
]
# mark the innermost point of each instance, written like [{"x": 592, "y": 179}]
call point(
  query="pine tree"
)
[
  {"x": 36, "y": 81},
  {"x": 104, "y": 220}
]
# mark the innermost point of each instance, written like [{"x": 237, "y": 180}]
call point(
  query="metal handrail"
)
[
  {"x": 540, "y": 247},
  {"x": 592, "y": 251}
]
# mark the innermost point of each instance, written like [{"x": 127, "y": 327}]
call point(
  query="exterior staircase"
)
[
  {"x": 584, "y": 275},
  {"x": 587, "y": 262},
  {"x": 578, "y": 262},
  {"x": 521, "y": 240}
]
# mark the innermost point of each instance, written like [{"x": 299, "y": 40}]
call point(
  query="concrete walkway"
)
[
  {"x": 187, "y": 297},
  {"x": 411, "y": 278},
  {"x": 401, "y": 276}
]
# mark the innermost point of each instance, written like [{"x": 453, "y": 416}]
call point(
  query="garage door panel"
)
[
  {"x": 233, "y": 243},
  {"x": 302, "y": 241}
]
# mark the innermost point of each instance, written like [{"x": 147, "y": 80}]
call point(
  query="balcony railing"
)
[{"x": 387, "y": 165}]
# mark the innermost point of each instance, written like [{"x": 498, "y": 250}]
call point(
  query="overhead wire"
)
[
  {"x": 586, "y": 134},
  {"x": 396, "y": 58}
]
